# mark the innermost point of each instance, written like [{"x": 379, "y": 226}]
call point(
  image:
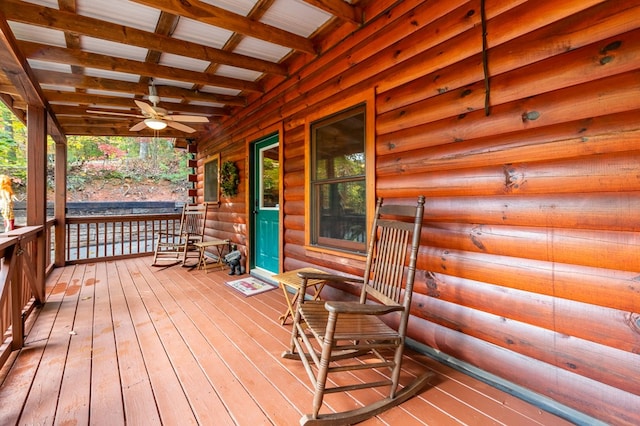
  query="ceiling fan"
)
[{"x": 157, "y": 118}]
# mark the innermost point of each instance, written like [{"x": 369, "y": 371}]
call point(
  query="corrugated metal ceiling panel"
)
[
  {"x": 240, "y": 73},
  {"x": 119, "y": 50},
  {"x": 123, "y": 12},
  {"x": 241, "y": 7},
  {"x": 49, "y": 3},
  {"x": 109, "y": 93},
  {"x": 48, "y": 66},
  {"x": 201, "y": 33},
  {"x": 37, "y": 34},
  {"x": 58, "y": 88},
  {"x": 261, "y": 49},
  {"x": 114, "y": 75},
  {"x": 177, "y": 61},
  {"x": 295, "y": 16},
  {"x": 159, "y": 82},
  {"x": 219, "y": 90}
]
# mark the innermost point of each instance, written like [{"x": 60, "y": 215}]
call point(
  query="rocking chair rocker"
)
[
  {"x": 174, "y": 248},
  {"x": 325, "y": 332}
]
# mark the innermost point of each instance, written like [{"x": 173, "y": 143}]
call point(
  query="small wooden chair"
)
[
  {"x": 174, "y": 248},
  {"x": 325, "y": 332}
]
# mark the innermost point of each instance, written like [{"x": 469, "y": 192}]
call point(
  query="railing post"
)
[
  {"x": 7, "y": 291},
  {"x": 41, "y": 249},
  {"x": 17, "y": 326}
]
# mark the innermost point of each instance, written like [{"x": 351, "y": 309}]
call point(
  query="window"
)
[
  {"x": 212, "y": 179},
  {"x": 338, "y": 183}
]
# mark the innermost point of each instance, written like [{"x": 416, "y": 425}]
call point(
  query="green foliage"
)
[
  {"x": 13, "y": 139},
  {"x": 82, "y": 148},
  {"x": 229, "y": 178},
  {"x": 271, "y": 174}
]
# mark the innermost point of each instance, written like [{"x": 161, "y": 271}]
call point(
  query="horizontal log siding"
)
[
  {"x": 530, "y": 259},
  {"x": 227, "y": 221}
]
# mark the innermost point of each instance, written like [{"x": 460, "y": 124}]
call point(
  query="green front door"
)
[{"x": 266, "y": 204}]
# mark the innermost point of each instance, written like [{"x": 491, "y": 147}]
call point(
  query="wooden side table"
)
[
  {"x": 202, "y": 248},
  {"x": 291, "y": 280}
]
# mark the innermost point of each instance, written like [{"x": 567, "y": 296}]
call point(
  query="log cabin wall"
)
[{"x": 530, "y": 162}]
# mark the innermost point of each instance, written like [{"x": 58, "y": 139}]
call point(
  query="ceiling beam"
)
[
  {"x": 139, "y": 89},
  {"x": 99, "y": 120},
  {"x": 81, "y": 25},
  {"x": 61, "y": 55},
  {"x": 72, "y": 39},
  {"x": 114, "y": 101},
  {"x": 165, "y": 26},
  {"x": 17, "y": 69},
  {"x": 6, "y": 88},
  {"x": 81, "y": 111},
  {"x": 223, "y": 18},
  {"x": 93, "y": 124},
  {"x": 124, "y": 131}
]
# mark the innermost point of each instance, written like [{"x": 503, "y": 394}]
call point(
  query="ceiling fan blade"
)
[
  {"x": 138, "y": 127},
  {"x": 145, "y": 107},
  {"x": 187, "y": 118},
  {"x": 180, "y": 127},
  {"x": 118, "y": 114}
]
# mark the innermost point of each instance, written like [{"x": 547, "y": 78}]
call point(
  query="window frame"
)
[
  {"x": 211, "y": 189},
  {"x": 261, "y": 169},
  {"x": 367, "y": 101}
]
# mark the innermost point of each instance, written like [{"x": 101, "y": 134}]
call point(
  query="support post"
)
[
  {"x": 37, "y": 187},
  {"x": 60, "y": 205}
]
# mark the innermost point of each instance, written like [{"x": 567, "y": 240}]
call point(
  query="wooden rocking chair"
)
[
  {"x": 174, "y": 248},
  {"x": 325, "y": 332}
]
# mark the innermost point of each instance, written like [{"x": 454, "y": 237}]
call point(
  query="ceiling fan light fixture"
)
[{"x": 155, "y": 124}]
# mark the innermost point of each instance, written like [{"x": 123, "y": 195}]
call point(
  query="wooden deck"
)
[{"x": 126, "y": 343}]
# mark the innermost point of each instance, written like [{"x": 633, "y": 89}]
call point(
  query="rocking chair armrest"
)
[
  {"x": 328, "y": 277},
  {"x": 360, "y": 308},
  {"x": 170, "y": 234}
]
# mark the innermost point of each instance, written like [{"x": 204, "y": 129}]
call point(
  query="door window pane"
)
[{"x": 270, "y": 182}]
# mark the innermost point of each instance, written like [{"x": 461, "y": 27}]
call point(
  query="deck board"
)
[
  {"x": 121, "y": 342},
  {"x": 106, "y": 395},
  {"x": 74, "y": 400},
  {"x": 40, "y": 407},
  {"x": 242, "y": 356},
  {"x": 137, "y": 396},
  {"x": 15, "y": 386},
  {"x": 170, "y": 398},
  {"x": 173, "y": 325}
]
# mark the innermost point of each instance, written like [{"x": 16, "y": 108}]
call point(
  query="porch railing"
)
[
  {"x": 88, "y": 238},
  {"x": 21, "y": 285},
  {"x": 112, "y": 237}
]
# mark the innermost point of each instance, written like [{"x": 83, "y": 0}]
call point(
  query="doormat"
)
[{"x": 250, "y": 286}]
